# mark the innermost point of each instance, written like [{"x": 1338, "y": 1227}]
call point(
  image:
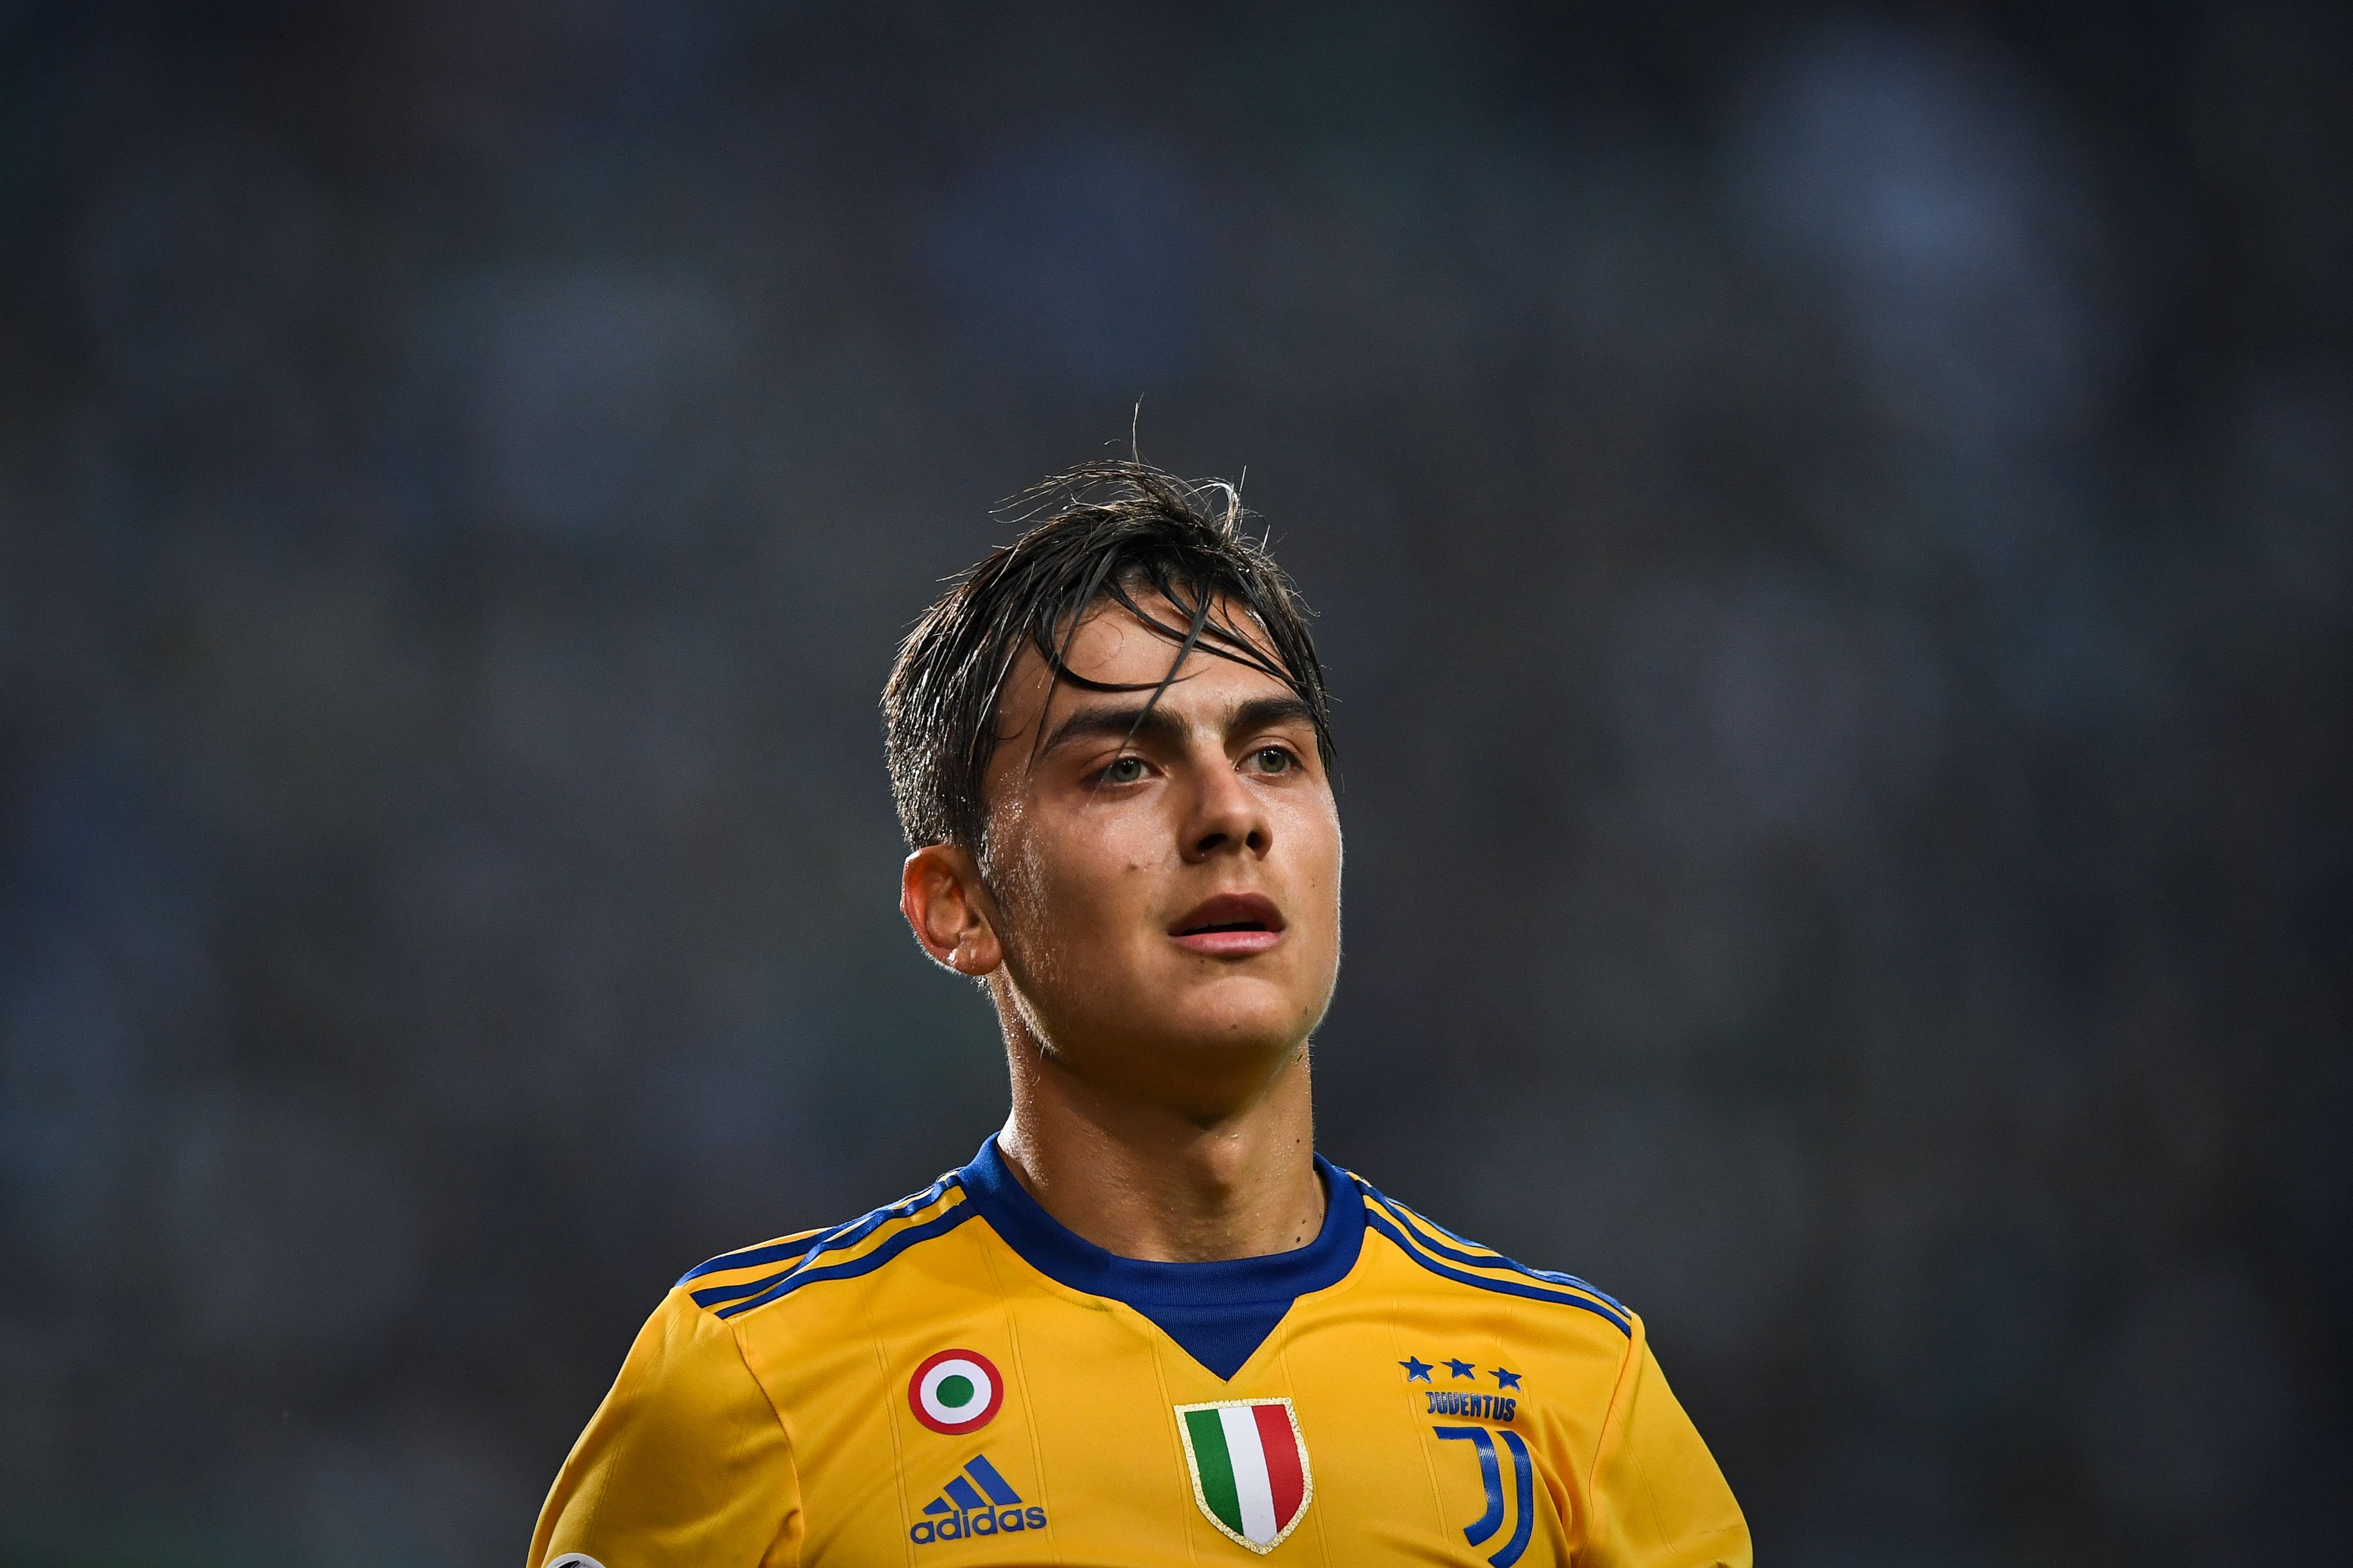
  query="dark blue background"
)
[{"x": 1832, "y": 534}]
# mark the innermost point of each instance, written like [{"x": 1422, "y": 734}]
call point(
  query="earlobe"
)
[{"x": 937, "y": 891}]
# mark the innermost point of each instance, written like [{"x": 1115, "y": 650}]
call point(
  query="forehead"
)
[{"x": 1112, "y": 646}]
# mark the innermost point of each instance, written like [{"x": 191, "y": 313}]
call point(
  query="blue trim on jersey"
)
[
  {"x": 1486, "y": 1257},
  {"x": 1380, "y": 1221},
  {"x": 938, "y": 1225},
  {"x": 712, "y": 1295},
  {"x": 1413, "y": 1220},
  {"x": 846, "y": 1234},
  {"x": 1218, "y": 1312},
  {"x": 753, "y": 1257}
]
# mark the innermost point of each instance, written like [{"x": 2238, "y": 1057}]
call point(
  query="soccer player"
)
[{"x": 1147, "y": 1324}]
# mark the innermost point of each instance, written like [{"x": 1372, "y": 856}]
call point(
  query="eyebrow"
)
[{"x": 1151, "y": 722}]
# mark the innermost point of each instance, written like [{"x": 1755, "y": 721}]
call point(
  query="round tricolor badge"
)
[{"x": 955, "y": 1390}]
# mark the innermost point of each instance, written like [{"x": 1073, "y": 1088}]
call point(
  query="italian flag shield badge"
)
[{"x": 1250, "y": 1468}]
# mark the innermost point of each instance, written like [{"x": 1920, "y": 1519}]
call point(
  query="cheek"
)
[
  {"x": 1318, "y": 834},
  {"x": 1084, "y": 884}
]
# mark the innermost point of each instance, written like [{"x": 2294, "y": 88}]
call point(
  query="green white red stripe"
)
[{"x": 1250, "y": 1468}]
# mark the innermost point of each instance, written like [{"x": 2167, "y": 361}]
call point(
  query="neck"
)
[{"x": 1146, "y": 1181}]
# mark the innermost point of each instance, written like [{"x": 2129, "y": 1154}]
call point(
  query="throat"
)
[{"x": 1151, "y": 1184}]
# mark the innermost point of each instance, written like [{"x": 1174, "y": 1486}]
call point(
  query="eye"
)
[
  {"x": 1273, "y": 760},
  {"x": 1123, "y": 769}
]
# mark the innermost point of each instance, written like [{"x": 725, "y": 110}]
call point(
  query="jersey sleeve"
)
[
  {"x": 1659, "y": 1500},
  {"x": 686, "y": 1461}
]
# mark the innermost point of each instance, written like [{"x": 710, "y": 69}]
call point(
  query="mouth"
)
[{"x": 1231, "y": 925}]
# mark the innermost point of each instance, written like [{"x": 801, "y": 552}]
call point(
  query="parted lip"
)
[{"x": 1230, "y": 912}]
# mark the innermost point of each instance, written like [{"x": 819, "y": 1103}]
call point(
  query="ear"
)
[{"x": 949, "y": 910}]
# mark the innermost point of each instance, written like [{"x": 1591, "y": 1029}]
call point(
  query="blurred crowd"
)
[{"x": 1833, "y": 534}]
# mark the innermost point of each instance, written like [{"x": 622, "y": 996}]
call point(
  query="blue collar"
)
[{"x": 1220, "y": 1313}]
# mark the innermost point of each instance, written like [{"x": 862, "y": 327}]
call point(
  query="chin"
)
[
  {"x": 1253, "y": 1030},
  {"x": 1238, "y": 1010}
]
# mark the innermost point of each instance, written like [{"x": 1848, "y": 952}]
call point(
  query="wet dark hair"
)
[{"x": 1115, "y": 532}]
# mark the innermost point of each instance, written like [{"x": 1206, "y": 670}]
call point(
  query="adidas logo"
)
[{"x": 978, "y": 1503}]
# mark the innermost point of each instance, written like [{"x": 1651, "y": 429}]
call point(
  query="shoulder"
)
[
  {"x": 1439, "y": 1254},
  {"x": 753, "y": 1279}
]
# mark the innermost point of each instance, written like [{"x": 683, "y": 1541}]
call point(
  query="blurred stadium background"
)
[{"x": 1832, "y": 532}]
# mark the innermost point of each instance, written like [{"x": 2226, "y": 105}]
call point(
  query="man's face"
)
[{"x": 1167, "y": 903}]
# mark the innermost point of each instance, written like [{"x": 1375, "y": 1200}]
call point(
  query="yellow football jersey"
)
[{"x": 958, "y": 1379}]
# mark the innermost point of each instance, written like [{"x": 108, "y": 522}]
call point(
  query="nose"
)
[{"x": 1226, "y": 818}]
